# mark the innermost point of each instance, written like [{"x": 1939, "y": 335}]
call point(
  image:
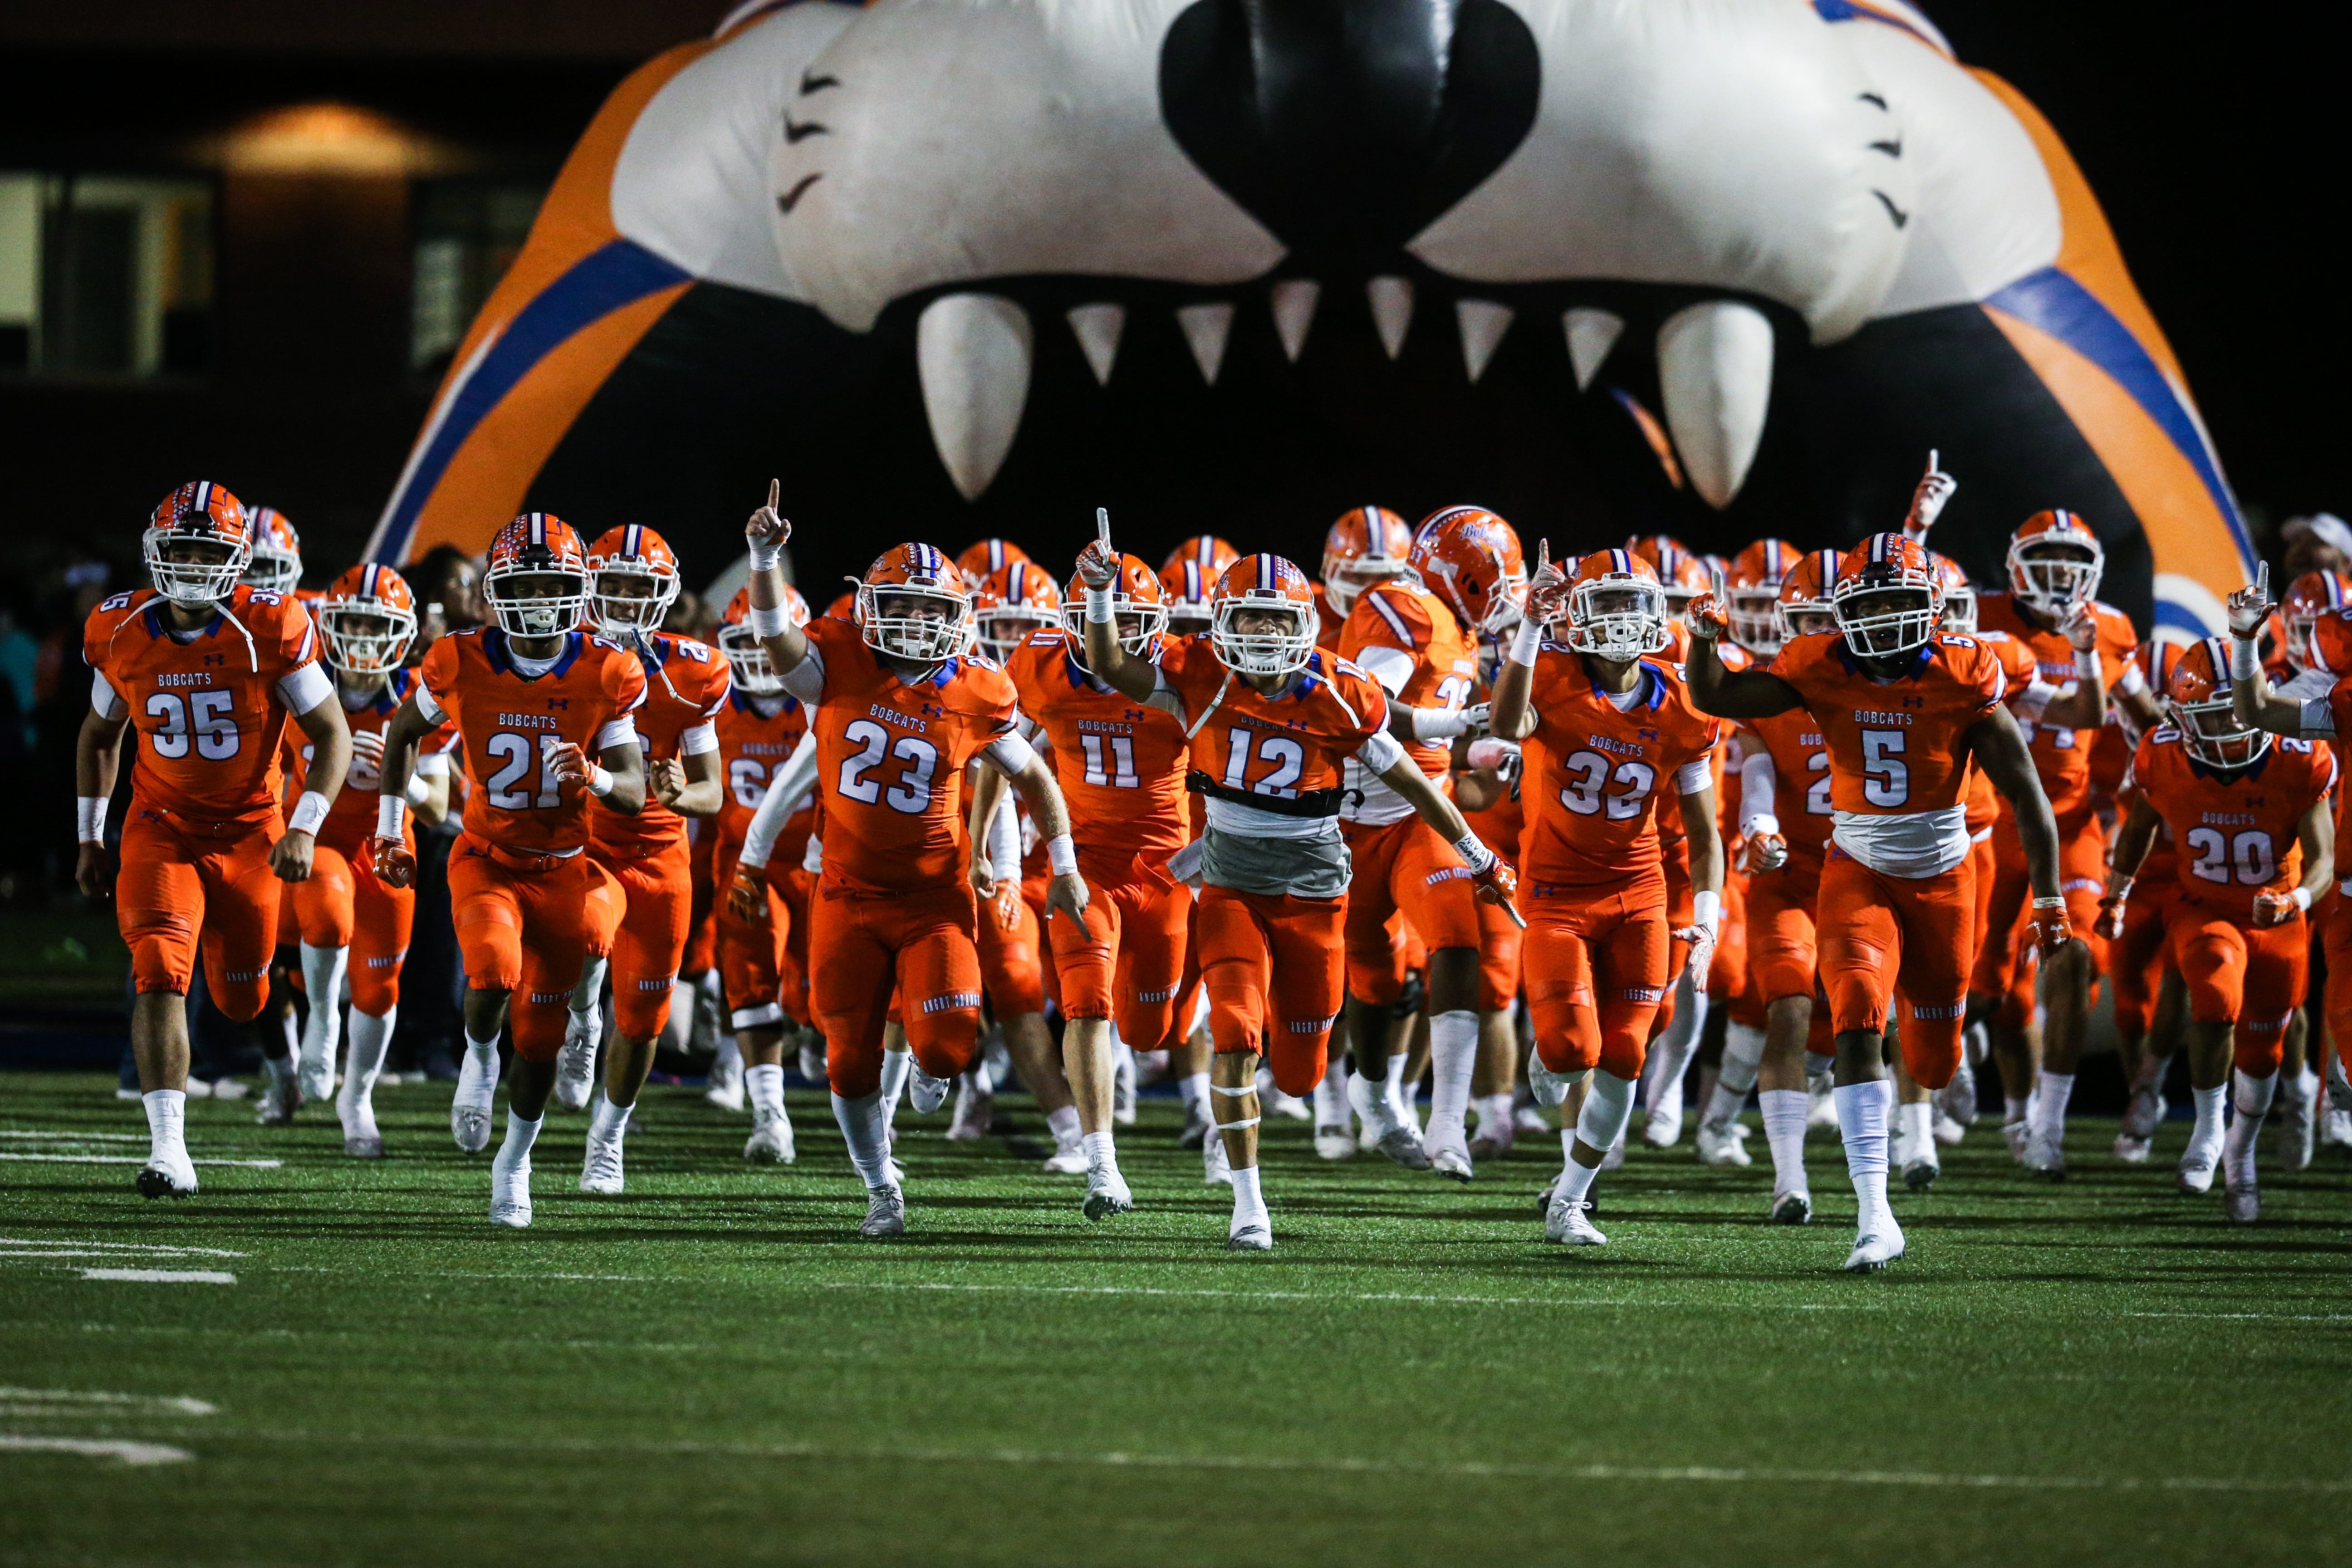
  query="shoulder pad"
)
[
  {"x": 2289, "y": 743},
  {"x": 1956, "y": 640},
  {"x": 601, "y": 641},
  {"x": 2163, "y": 734},
  {"x": 121, "y": 601},
  {"x": 1046, "y": 636},
  {"x": 979, "y": 660},
  {"x": 265, "y": 597},
  {"x": 694, "y": 650}
]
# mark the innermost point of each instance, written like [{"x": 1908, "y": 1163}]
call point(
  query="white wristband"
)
[
  {"x": 767, "y": 554},
  {"x": 2245, "y": 659},
  {"x": 1762, "y": 823},
  {"x": 2086, "y": 663},
  {"x": 419, "y": 791},
  {"x": 1473, "y": 852},
  {"x": 90, "y": 818},
  {"x": 2302, "y": 897},
  {"x": 600, "y": 781},
  {"x": 1707, "y": 909},
  {"x": 768, "y": 623},
  {"x": 1099, "y": 603},
  {"x": 309, "y": 813},
  {"x": 1530, "y": 638},
  {"x": 1062, "y": 856},
  {"x": 391, "y": 816}
]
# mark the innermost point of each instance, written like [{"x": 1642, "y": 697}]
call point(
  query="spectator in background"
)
[
  {"x": 447, "y": 584},
  {"x": 2321, "y": 542}
]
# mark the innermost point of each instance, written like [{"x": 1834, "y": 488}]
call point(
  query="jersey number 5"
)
[
  {"x": 912, "y": 792},
  {"x": 1885, "y": 777}
]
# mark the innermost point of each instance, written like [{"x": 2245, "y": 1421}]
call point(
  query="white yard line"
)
[
  {"x": 134, "y": 1159},
  {"x": 9, "y": 1241},
  {"x": 61, "y": 1400},
  {"x": 1326, "y": 1296},
  {"x": 161, "y": 1276},
  {"x": 96, "y": 1448},
  {"x": 74, "y": 1137}
]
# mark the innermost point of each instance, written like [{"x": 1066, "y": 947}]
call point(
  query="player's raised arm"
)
[
  {"x": 1128, "y": 674},
  {"x": 1511, "y": 715},
  {"x": 1999, "y": 749},
  {"x": 2249, "y": 690},
  {"x": 765, "y": 533},
  {"x": 1728, "y": 693}
]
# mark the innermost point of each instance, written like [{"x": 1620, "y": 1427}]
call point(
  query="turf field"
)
[{"x": 714, "y": 1369}]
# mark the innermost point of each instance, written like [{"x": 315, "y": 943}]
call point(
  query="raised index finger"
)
[
  {"x": 1102, "y": 526},
  {"x": 2263, "y": 579}
]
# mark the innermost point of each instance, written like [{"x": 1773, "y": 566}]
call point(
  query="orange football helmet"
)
[
  {"x": 1367, "y": 545},
  {"x": 747, "y": 656},
  {"x": 2198, "y": 697},
  {"x": 1212, "y": 555},
  {"x": 844, "y": 608},
  {"x": 983, "y": 558},
  {"x": 1805, "y": 608},
  {"x": 1616, "y": 607},
  {"x": 1011, "y": 602},
  {"x": 912, "y": 577},
  {"x": 1960, "y": 593},
  {"x": 625, "y": 558},
  {"x": 1139, "y": 607},
  {"x": 277, "y": 562},
  {"x": 1186, "y": 589},
  {"x": 1470, "y": 558},
  {"x": 1752, "y": 593},
  {"x": 2054, "y": 562},
  {"x": 1887, "y": 596},
  {"x": 1252, "y": 585},
  {"x": 2313, "y": 594},
  {"x": 1680, "y": 574},
  {"x": 537, "y": 550},
  {"x": 368, "y": 617},
  {"x": 198, "y": 513}
]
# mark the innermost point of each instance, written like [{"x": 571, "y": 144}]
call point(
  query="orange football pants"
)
[
  {"x": 751, "y": 961},
  {"x": 701, "y": 950},
  {"x": 1275, "y": 968},
  {"x": 2135, "y": 960},
  {"x": 1012, "y": 962},
  {"x": 1596, "y": 967},
  {"x": 2236, "y": 975},
  {"x": 2335, "y": 946},
  {"x": 344, "y": 905},
  {"x": 1127, "y": 962},
  {"x": 523, "y": 922},
  {"x": 2081, "y": 877},
  {"x": 640, "y": 926},
  {"x": 1877, "y": 932},
  {"x": 1501, "y": 943},
  {"x": 1401, "y": 867},
  {"x": 862, "y": 947},
  {"x": 185, "y": 883}
]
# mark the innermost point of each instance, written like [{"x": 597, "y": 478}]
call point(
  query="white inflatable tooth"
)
[
  {"x": 1294, "y": 312},
  {"x": 1392, "y": 311},
  {"x": 1715, "y": 376},
  {"x": 1098, "y": 328},
  {"x": 1592, "y": 333},
  {"x": 1483, "y": 324},
  {"x": 975, "y": 353},
  {"x": 1206, "y": 327}
]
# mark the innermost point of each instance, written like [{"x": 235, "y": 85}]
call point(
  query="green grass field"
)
[{"x": 713, "y": 1369}]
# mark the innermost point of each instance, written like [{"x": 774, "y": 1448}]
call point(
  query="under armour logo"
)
[
  {"x": 563, "y": 702},
  {"x": 1647, "y": 734},
  {"x": 214, "y": 659}
]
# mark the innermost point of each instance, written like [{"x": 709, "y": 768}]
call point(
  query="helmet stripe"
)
[
  {"x": 996, "y": 555},
  {"x": 1376, "y": 537},
  {"x": 1266, "y": 571}
]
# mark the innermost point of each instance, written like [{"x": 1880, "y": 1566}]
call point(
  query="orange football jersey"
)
[
  {"x": 1120, "y": 764},
  {"x": 890, "y": 763},
  {"x": 1592, "y": 772},
  {"x": 209, "y": 711},
  {"x": 351, "y": 821},
  {"x": 506, "y": 722},
  {"x": 2063, "y": 755},
  {"x": 1329, "y": 622},
  {"x": 1406, "y": 619},
  {"x": 685, "y": 684},
  {"x": 2234, "y": 838},
  {"x": 1894, "y": 746},
  {"x": 752, "y": 746},
  {"x": 1282, "y": 746},
  {"x": 1800, "y": 797}
]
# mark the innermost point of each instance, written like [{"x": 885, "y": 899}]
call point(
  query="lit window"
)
[
  {"x": 468, "y": 233},
  {"x": 105, "y": 275}
]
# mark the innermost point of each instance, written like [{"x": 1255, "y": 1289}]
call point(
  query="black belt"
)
[{"x": 1308, "y": 803}]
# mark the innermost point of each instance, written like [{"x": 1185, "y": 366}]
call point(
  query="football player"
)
[
  {"x": 633, "y": 579},
  {"x": 277, "y": 564},
  {"x": 1270, "y": 719},
  {"x": 207, "y": 670},
  {"x": 529, "y": 699},
  {"x": 898, "y": 714},
  {"x": 1606, "y": 726},
  {"x": 2242, "y": 812},
  {"x": 1905, "y": 711}
]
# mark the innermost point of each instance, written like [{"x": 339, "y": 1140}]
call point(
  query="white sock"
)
[
  {"x": 2255, "y": 1096},
  {"x": 1495, "y": 1115},
  {"x": 1392, "y": 1083},
  {"x": 1607, "y": 1107},
  {"x": 1917, "y": 1122},
  {"x": 369, "y": 1036},
  {"x": 167, "y": 1118},
  {"x": 1785, "y": 1113},
  {"x": 1862, "y": 1123},
  {"x": 1249, "y": 1203},
  {"x": 1063, "y": 1125},
  {"x": 606, "y": 1120},
  {"x": 1330, "y": 1096},
  {"x": 2012, "y": 1109},
  {"x": 585, "y": 994},
  {"x": 765, "y": 1085},
  {"x": 896, "y": 1066},
  {"x": 2050, "y": 1104},
  {"x": 280, "y": 1069},
  {"x": 1673, "y": 1052},
  {"x": 977, "y": 1076},
  {"x": 678, "y": 1028},
  {"x": 729, "y": 1051},
  {"x": 1100, "y": 1155},
  {"x": 292, "y": 1038},
  {"x": 865, "y": 1125},
  {"x": 1743, "y": 1054},
  {"x": 521, "y": 1135},
  {"x": 322, "y": 979},
  {"x": 2209, "y": 1103},
  {"x": 1193, "y": 1088},
  {"x": 1453, "y": 1057},
  {"x": 2302, "y": 1089},
  {"x": 484, "y": 1052},
  {"x": 1568, "y": 1144}
]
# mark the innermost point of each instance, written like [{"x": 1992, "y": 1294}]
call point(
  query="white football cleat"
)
[
  {"x": 2298, "y": 1123},
  {"x": 2198, "y": 1163},
  {"x": 315, "y": 1074},
  {"x": 1388, "y": 1136},
  {"x": 2145, "y": 1111},
  {"x": 362, "y": 1138},
  {"x": 2014, "y": 1133},
  {"x": 1878, "y": 1244},
  {"x": 1335, "y": 1143},
  {"x": 1249, "y": 1236},
  {"x": 1107, "y": 1194},
  {"x": 2336, "y": 1127},
  {"x": 1957, "y": 1098},
  {"x": 975, "y": 1112},
  {"x": 924, "y": 1092},
  {"x": 1122, "y": 1088},
  {"x": 812, "y": 1056},
  {"x": 1450, "y": 1160},
  {"x": 885, "y": 1213},
  {"x": 1662, "y": 1128},
  {"x": 1949, "y": 1131},
  {"x": 1793, "y": 1207},
  {"x": 170, "y": 1174},
  {"x": 725, "y": 1087},
  {"x": 1569, "y": 1224},
  {"x": 600, "y": 1165},
  {"x": 1528, "y": 1120},
  {"x": 511, "y": 1194},
  {"x": 1724, "y": 1144},
  {"x": 576, "y": 1064},
  {"x": 469, "y": 1108},
  {"x": 2133, "y": 1151},
  {"x": 281, "y": 1096},
  {"x": 1920, "y": 1171},
  {"x": 1069, "y": 1160},
  {"x": 2044, "y": 1155},
  {"x": 1216, "y": 1168},
  {"x": 2243, "y": 1201},
  {"x": 771, "y": 1140}
]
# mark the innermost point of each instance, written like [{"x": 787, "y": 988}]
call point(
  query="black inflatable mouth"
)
[{"x": 1348, "y": 126}]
